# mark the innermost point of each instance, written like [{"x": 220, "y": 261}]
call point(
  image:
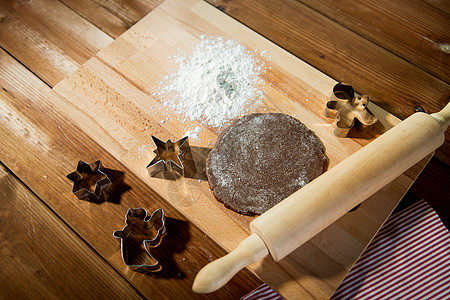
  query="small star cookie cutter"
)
[
  {"x": 170, "y": 157},
  {"x": 141, "y": 233},
  {"x": 348, "y": 109},
  {"x": 89, "y": 180}
]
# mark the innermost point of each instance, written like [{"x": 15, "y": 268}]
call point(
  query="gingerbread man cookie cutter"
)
[
  {"x": 348, "y": 109},
  {"x": 141, "y": 233}
]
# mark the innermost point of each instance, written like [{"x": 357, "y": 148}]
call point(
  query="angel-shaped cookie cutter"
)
[
  {"x": 89, "y": 180},
  {"x": 141, "y": 233},
  {"x": 348, "y": 109},
  {"x": 170, "y": 157}
]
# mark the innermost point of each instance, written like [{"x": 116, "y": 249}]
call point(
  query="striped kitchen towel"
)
[
  {"x": 408, "y": 259},
  {"x": 264, "y": 292}
]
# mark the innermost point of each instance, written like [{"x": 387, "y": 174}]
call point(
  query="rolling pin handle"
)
[
  {"x": 311, "y": 208},
  {"x": 217, "y": 273},
  {"x": 443, "y": 117}
]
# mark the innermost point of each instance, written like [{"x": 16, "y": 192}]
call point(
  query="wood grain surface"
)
[
  {"x": 52, "y": 47},
  {"x": 426, "y": 36},
  {"x": 311, "y": 33},
  {"x": 43, "y": 146},
  {"x": 383, "y": 52},
  {"x": 372, "y": 46},
  {"x": 42, "y": 258},
  {"x": 113, "y": 17},
  {"x": 128, "y": 71}
]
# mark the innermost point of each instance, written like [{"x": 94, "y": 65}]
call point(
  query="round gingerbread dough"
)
[{"x": 261, "y": 159}]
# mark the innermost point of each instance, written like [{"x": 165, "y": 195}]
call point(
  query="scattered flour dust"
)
[
  {"x": 194, "y": 133},
  {"x": 218, "y": 82}
]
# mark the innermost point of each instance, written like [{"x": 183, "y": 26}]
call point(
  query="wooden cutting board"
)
[{"x": 110, "y": 98}]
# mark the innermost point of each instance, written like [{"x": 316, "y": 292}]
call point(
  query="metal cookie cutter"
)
[
  {"x": 170, "y": 157},
  {"x": 348, "y": 109},
  {"x": 89, "y": 180},
  {"x": 141, "y": 233}
]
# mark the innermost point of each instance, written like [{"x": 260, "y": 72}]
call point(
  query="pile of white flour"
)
[{"x": 218, "y": 82}]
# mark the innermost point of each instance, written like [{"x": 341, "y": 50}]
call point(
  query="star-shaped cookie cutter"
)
[
  {"x": 89, "y": 180},
  {"x": 141, "y": 233},
  {"x": 348, "y": 109},
  {"x": 170, "y": 156}
]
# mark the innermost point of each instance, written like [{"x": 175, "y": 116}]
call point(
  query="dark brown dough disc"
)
[{"x": 261, "y": 159}]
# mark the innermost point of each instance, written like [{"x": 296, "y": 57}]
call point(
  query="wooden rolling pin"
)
[{"x": 305, "y": 213}]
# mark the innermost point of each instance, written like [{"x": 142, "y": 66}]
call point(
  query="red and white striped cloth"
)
[
  {"x": 408, "y": 259},
  {"x": 264, "y": 292}
]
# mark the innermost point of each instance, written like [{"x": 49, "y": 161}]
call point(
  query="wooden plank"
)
[
  {"x": 113, "y": 17},
  {"x": 44, "y": 36},
  {"x": 42, "y": 146},
  {"x": 393, "y": 83},
  {"x": 92, "y": 15},
  {"x": 129, "y": 70},
  {"x": 48, "y": 37},
  {"x": 442, "y": 5},
  {"x": 414, "y": 30},
  {"x": 41, "y": 257}
]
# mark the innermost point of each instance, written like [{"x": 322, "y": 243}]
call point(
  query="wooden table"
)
[{"x": 395, "y": 52}]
